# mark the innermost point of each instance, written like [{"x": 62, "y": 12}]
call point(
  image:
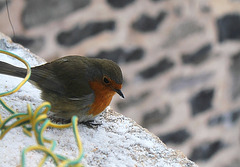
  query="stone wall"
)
[{"x": 180, "y": 59}]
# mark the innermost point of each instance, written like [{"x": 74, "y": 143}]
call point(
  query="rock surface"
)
[{"x": 119, "y": 141}]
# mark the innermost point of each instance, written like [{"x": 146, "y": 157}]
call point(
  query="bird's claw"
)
[{"x": 91, "y": 124}]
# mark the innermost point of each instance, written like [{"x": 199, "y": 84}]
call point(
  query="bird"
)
[{"x": 74, "y": 85}]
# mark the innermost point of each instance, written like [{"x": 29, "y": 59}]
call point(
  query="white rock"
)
[{"x": 119, "y": 141}]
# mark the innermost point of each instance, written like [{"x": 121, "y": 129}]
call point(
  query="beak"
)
[{"x": 119, "y": 92}]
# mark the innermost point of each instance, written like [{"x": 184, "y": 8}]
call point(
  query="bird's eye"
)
[{"x": 106, "y": 80}]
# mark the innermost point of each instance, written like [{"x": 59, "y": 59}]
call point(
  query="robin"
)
[{"x": 74, "y": 85}]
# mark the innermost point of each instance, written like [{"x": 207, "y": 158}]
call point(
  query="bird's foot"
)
[{"x": 91, "y": 124}]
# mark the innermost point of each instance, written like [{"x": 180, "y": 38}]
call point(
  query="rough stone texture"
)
[
  {"x": 155, "y": 117},
  {"x": 2, "y": 5},
  {"x": 206, "y": 150},
  {"x": 119, "y": 141},
  {"x": 176, "y": 137},
  {"x": 228, "y": 27},
  {"x": 183, "y": 83},
  {"x": 198, "y": 57},
  {"x": 158, "y": 0},
  {"x": 38, "y": 12},
  {"x": 78, "y": 34},
  {"x": 234, "y": 69},
  {"x": 119, "y": 55},
  {"x": 187, "y": 27},
  {"x": 33, "y": 44},
  {"x": 229, "y": 118},
  {"x": 119, "y": 4},
  {"x": 162, "y": 66},
  {"x": 146, "y": 23},
  {"x": 202, "y": 101},
  {"x": 181, "y": 31}
]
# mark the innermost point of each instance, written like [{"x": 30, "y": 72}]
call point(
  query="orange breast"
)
[{"x": 103, "y": 97}]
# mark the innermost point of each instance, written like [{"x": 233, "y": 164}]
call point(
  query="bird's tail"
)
[{"x": 9, "y": 69}]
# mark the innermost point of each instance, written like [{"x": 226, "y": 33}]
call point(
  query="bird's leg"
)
[{"x": 91, "y": 124}]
